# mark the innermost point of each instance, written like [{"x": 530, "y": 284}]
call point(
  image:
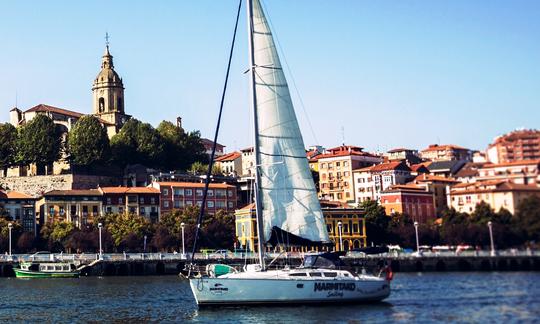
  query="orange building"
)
[
  {"x": 415, "y": 201},
  {"x": 515, "y": 146},
  {"x": 335, "y": 171},
  {"x": 447, "y": 152}
]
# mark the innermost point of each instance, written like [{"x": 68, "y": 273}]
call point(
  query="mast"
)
[{"x": 258, "y": 207}]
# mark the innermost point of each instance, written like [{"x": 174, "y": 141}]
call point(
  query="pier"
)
[{"x": 137, "y": 264}]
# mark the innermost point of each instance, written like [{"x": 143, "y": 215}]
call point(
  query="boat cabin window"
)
[
  {"x": 50, "y": 268},
  {"x": 65, "y": 267},
  {"x": 315, "y": 274},
  {"x": 345, "y": 274},
  {"x": 298, "y": 274},
  {"x": 57, "y": 268},
  {"x": 330, "y": 274}
]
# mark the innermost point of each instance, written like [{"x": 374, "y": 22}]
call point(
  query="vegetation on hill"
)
[{"x": 88, "y": 142}]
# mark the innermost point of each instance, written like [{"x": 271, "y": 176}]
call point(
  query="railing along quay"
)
[{"x": 111, "y": 264}]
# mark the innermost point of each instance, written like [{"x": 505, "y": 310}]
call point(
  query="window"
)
[
  {"x": 199, "y": 192},
  {"x": 120, "y": 200},
  {"x": 346, "y": 163},
  {"x": 178, "y": 204},
  {"x": 221, "y": 204},
  {"x": 165, "y": 192},
  {"x": 141, "y": 200},
  {"x": 298, "y": 274},
  {"x": 109, "y": 200},
  {"x": 199, "y": 203},
  {"x": 315, "y": 274},
  {"x": 165, "y": 204},
  {"x": 121, "y": 209},
  {"x": 231, "y": 204},
  {"x": 230, "y": 193},
  {"x": 329, "y": 228},
  {"x": 189, "y": 203},
  {"x": 178, "y": 191},
  {"x": 143, "y": 210},
  {"x": 210, "y": 204},
  {"x": 346, "y": 174},
  {"x": 355, "y": 227},
  {"x": 132, "y": 199},
  {"x": 109, "y": 210},
  {"x": 210, "y": 193},
  {"x": 221, "y": 193},
  {"x": 323, "y": 165},
  {"x": 189, "y": 192},
  {"x": 152, "y": 200},
  {"x": 330, "y": 274}
]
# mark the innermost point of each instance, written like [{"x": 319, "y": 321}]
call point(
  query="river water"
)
[{"x": 509, "y": 297}]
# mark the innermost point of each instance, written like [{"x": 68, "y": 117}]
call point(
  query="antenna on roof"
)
[
  {"x": 107, "y": 39},
  {"x": 16, "y": 99},
  {"x": 343, "y": 135}
]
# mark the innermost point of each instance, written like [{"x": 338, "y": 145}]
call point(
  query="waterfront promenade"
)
[{"x": 117, "y": 264}]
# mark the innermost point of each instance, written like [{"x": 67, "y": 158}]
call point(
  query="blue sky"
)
[{"x": 378, "y": 74}]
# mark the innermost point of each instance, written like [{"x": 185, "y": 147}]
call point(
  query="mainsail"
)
[{"x": 287, "y": 191}]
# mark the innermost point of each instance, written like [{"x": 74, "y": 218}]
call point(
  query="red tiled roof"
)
[
  {"x": 194, "y": 184},
  {"x": 73, "y": 192},
  {"x": 416, "y": 167},
  {"x": 487, "y": 186},
  {"x": 436, "y": 147},
  {"x": 17, "y": 195},
  {"x": 429, "y": 177},
  {"x": 229, "y": 157},
  {"x": 513, "y": 163},
  {"x": 134, "y": 190},
  {"x": 61, "y": 111},
  {"x": 389, "y": 166}
]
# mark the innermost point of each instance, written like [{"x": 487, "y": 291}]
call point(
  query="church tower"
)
[{"x": 108, "y": 95}]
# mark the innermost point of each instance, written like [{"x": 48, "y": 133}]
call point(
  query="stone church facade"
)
[{"x": 108, "y": 107}]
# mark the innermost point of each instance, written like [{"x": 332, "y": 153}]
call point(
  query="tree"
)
[
  {"x": 137, "y": 142},
  {"x": 127, "y": 231},
  {"x": 88, "y": 142},
  {"x": 38, "y": 142},
  {"x": 482, "y": 214},
  {"x": 16, "y": 231},
  {"x": 8, "y": 136},
  {"x": 528, "y": 217},
  {"x": 198, "y": 168},
  {"x": 376, "y": 221}
]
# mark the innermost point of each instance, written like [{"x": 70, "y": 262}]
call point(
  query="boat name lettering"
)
[{"x": 323, "y": 286}]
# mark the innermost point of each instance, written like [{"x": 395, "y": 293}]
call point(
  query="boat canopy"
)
[{"x": 328, "y": 260}]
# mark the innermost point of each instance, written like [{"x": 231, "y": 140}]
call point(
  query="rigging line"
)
[
  {"x": 290, "y": 73},
  {"x": 210, "y": 165}
]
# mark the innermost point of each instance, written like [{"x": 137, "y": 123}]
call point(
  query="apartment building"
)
[
  {"x": 336, "y": 171},
  {"x": 230, "y": 164},
  {"x": 141, "y": 201},
  {"x": 416, "y": 201},
  {"x": 447, "y": 152},
  {"x": 370, "y": 181},
  {"x": 515, "y": 146}
]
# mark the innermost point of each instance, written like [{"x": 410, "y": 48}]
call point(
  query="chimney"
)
[{"x": 179, "y": 122}]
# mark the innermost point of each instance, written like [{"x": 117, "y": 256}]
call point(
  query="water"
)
[{"x": 429, "y": 297}]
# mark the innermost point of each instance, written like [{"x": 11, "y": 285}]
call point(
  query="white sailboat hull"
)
[{"x": 271, "y": 288}]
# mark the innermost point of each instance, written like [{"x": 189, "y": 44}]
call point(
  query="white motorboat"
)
[{"x": 286, "y": 204}]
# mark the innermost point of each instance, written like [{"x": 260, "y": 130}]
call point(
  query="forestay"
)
[{"x": 288, "y": 194}]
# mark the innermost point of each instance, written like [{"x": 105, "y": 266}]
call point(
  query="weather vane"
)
[{"x": 107, "y": 39}]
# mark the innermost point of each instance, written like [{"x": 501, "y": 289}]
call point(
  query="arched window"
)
[
  {"x": 120, "y": 103},
  {"x": 101, "y": 104}
]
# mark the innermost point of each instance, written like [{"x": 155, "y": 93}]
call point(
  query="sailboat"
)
[{"x": 286, "y": 204}]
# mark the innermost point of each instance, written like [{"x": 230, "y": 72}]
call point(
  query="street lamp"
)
[
  {"x": 490, "y": 226},
  {"x": 339, "y": 224},
  {"x": 100, "y": 248},
  {"x": 183, "y": 246},
  {"x": 144, "y": 248},
  {"x": 417, "y": 241},
  {"x": 10, "y": 226}
]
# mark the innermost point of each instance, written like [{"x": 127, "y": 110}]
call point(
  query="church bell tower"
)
[{"x": 108, "y": 94}]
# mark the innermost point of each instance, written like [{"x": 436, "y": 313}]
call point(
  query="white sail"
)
[{"x": 288, "y": 195}]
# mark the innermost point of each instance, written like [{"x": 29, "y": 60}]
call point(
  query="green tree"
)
[
  {"x": 16, "y": 231},
  {"x": 88, "y": 142},
  {"x": 137, "y": 142},
  {"x": 8, "y": 136},
  {"x": 127, "y": 231},
  {"x": 482, "y": 214},
  {"x": 376, "y": 221},
  {"x": 38, "y": 142},
  {"x": 528, "y": 217},
  {"x": 198, "y": 168}
]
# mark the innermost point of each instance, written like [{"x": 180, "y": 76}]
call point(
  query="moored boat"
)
[{"x": 46, "y": 270}]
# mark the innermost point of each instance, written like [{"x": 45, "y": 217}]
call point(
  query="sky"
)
[{"x": 376, "y": 74}]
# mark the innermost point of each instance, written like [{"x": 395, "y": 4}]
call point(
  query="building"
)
[
  {"x": 248, "y": 162},
  {"x": 515, "y": 146},
  {"x": 403, "y": 154},
  {"x": 370, "y": 181},
  {"x": 178, "y": 195},
  {"x": 446, "y": 168},
  {"x": 521, "y": 172},
  {"x": 448, "y": 152},
  {"x": 336, "y": 171},
  {"x": 497, "y": 193},
  {"x": 21, "y": 208},
  {"x": 312, "y": 155},
  {"x": 108, "y": 95},
  {"x": 438, "y": 186},
  {"x": 209, "y": 144},
  {"x": 230, "y": 164},
  {"x": 141, "y": 201},
  {"x": 353, "y": 228},
  {"x": 80, "y": 207},
  {"x": 469, "y": 172},
  {"x": 413, "y": 200},
  {"x": 108, "y": 107}
]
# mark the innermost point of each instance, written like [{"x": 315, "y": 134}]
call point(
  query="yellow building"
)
[
  {"x": 80, "y": 207},
  {"x": 353, "y": 228}
]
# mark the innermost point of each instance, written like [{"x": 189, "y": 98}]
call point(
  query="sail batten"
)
[{"x": 288, "y": 195}]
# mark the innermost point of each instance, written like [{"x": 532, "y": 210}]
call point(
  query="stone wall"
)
[{"x": 35, "y": 186}]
